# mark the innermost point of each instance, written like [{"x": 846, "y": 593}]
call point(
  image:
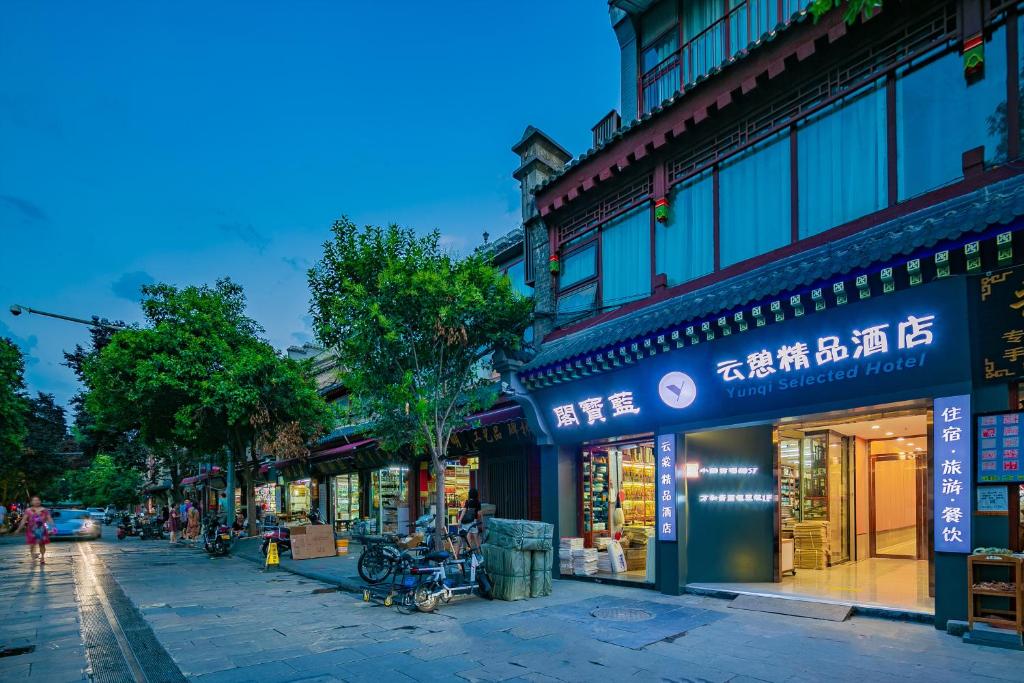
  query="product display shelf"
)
[
  {"x": 594, "y": 498},
  {"x": 1012, "y": 575},
  {"x": 638, "y": 486}
]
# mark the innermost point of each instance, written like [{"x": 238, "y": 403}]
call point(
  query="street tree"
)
[
  {"x": 413, "y": 327},
  {"x": 104, "y": 483},
  {"x": 13, "y": 411},
  {"x": 852, "y": 10},
  {"x": 41, "y": 460},
  {"x": 198, "y": 382}
]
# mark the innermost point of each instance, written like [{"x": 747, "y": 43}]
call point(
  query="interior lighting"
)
[
  {"x": 876, "y": 426},
  {"x": 888, "y": 433}
]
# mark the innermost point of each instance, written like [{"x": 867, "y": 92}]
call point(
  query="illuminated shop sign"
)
[
  {"x": 999, "y": 448},
  {"x": 727, "y": 470},
  {"x": 666, "y": 487},
  {"x": 890, "y": 348},
  {"x": 737, "y": 498},
  {"x": 952, "y": 466},
  {"x": 829, "y": 350},
  {"x": 593, "y": 409}
]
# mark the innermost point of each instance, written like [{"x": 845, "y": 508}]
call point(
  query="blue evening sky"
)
[{"x": 184, "y": 141}]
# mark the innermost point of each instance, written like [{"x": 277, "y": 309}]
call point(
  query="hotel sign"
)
[
  {"x": 953, "y": 481},
  {"x": 889, "y": 348},
  {"x": 666, "y": 503}
]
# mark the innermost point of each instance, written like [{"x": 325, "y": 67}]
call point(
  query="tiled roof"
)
[
  {"x": 999, "y": 203},
  {"x": 643, "y": 120}
]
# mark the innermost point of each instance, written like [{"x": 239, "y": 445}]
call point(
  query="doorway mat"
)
[
  {"x": 625, "y": 622},
  {"x": 794, "y": 608}
]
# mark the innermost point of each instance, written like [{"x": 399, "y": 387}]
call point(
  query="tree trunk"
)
[
  {"x": 250, "y": 502},
  {"x": 441, "y": 519},
  {"x": 175, "y": 473}
]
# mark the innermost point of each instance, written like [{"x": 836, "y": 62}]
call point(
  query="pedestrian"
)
[
  {"x": 469, "y": 520},
  {"x": 34, "y": 522},
  {"x": 192, "y": 530},
  {"x": 183, "y": 508},
  {"x": 174, "y": 525}
]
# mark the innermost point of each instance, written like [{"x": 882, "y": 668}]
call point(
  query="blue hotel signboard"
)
[
  {"x": 952, "y": 467},
  {"x": 910, "y": 344},
  {"x": 666, "y": 487}
]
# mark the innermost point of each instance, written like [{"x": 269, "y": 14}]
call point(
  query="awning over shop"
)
[
  {"x": 202, "y": 477},
  {"x": 493, "y": 417}
]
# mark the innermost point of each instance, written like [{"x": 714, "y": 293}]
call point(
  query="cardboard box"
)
[{"x": 315, "y": 540}]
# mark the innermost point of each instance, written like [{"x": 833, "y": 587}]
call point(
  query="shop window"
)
[
  {"x": 841, "y": 162},
  {"x": 578, "y": 266},
  {"x": 755, "y": 201},
  {"x": 626, "y": 258},
  {"x": 684, "y": 247},
  {"x": 940, "y": 115}
]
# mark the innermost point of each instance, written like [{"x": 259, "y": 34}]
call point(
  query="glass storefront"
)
[
  {"x": 459, "y": 478},
  {"x": 390, "y": 499},
  {"x": 346, "y": 501},
  {"x": 299, "y": 498},
  {"x": 616, "y": 519}
]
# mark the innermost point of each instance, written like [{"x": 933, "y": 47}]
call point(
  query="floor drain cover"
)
[{"x": 621, "y": 614}]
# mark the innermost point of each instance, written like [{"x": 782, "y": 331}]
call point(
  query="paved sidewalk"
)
[
  {"x": 339, "y": 570},
  {"x": 39, "y": 611}
]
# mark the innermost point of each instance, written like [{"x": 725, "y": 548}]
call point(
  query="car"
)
[
  {"x": 96, "y": 513},
  {"x": 72, "y": 524}
]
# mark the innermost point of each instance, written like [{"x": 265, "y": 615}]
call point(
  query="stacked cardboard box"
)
[{"x": 811, "y": 540}]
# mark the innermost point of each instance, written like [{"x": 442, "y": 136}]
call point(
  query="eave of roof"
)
[{"x": 995, "y": 204}]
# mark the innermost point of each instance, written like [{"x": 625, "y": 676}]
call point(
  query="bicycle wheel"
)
[{"x": 374, "y": 566}]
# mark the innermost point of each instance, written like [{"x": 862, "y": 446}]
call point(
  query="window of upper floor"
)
[
  {"x": 681, "y": 40},
  {"x": 896, "y": 134}
]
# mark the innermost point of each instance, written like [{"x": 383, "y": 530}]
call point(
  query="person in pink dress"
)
[{"x": 37, "y": 533}]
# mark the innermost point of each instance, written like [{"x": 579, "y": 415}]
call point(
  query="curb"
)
[{"x": 346, "y": 585}]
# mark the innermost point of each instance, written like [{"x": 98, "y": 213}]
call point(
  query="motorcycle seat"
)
[{"x": 437, "y": 556}]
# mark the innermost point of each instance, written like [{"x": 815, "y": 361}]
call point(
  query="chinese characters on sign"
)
[
  {"x": 738, "y": 498},
  {"x": 1000, "y": 328},
  {"x": 593, "y": 410},
  {"x": 907, "y": 334},
  {"x": 953, "y": 481},
  {"x": 666, "y": 503},
  {"x": 728, "y": 470},
  {"x": 999, "y": 445}
]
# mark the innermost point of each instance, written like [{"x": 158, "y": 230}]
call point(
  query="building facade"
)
[{"x": 760, "y": 358}]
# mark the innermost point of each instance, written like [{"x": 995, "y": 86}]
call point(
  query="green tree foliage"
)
[
  {"x": 412, "y": 326},
  {"x": 852, "y": 9},
  {"x": 198, "y": 379},
  {"x": 104, "y": 483},
  {"x": 13, "y": 412},
  {"x": 41, "y": 460}
]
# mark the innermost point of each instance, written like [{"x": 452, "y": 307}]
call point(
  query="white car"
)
[{"x": 73, "y": 524}]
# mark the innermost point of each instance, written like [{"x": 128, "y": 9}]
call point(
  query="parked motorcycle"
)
[
  {"x": 152, "y": 529},
  {"x": 128, "y": 526},
  {"x": 216, "y": 537},
  {"x": 281, "y": 535}
]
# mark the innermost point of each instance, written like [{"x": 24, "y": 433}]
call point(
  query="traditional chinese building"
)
[{"x": 778, "y": 310}]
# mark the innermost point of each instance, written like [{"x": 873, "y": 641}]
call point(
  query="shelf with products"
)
[{"x": 595, "y": 494}]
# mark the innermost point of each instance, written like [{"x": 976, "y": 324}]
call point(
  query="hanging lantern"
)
[
  {"x": 553, "y": 264},
  {"x": 973, "y": 52},
  {"x": 661, "y": 210}
]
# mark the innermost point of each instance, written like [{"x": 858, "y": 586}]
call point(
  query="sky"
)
[{"x": 181, "y": 142}]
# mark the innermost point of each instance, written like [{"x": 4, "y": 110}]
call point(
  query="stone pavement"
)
[
  {"x": 40, "y": 616},
  {"x": 340, "y": 570},
  {"x": 227, "y": 620}
]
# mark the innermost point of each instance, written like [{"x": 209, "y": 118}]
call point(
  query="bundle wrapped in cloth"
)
[{"x": 520, "y": 534}]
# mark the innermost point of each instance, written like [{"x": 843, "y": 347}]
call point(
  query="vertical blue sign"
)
[
  {"x": 952, "y": 470},
  {"x": 666, "y": 506}
]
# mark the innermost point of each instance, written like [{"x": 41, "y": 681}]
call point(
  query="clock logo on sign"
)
[{"x": 677, "y": 390}]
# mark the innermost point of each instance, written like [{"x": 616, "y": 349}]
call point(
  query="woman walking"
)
[
  {"x": 34, "y": 522},
  {"x": 192, "y": 530}
]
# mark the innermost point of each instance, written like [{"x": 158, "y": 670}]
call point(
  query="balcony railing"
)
[
  {"x": 734, "y": 31},
  {"x": 606, "y": 127}
]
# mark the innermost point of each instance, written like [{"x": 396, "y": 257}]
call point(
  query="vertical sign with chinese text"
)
[
  {"x": 999, "y": 335},
  {"x": 666, "y": 503},
  {"x": 952, "y": 472}
]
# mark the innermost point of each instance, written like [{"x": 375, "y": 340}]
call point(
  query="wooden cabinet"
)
[{"x": 995, "y": 591}]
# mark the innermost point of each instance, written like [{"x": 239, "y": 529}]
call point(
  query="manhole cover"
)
[{"x": 621, "y": 614}]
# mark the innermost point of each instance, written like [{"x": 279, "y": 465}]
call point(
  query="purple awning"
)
[{"x": 493, "y": 416}]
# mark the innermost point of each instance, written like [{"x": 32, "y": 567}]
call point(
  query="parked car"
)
[
  {"x": 96, "y": 514},
  {"x": 73, "y": 524}
]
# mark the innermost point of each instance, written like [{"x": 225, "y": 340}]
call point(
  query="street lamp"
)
[{"x": 17, "y": 309}]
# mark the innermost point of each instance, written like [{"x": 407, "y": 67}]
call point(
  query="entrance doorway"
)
[{"x": 854, "y": 496}]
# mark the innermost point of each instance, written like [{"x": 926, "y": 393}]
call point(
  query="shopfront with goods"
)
[{"x": 815, "y": 456}]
